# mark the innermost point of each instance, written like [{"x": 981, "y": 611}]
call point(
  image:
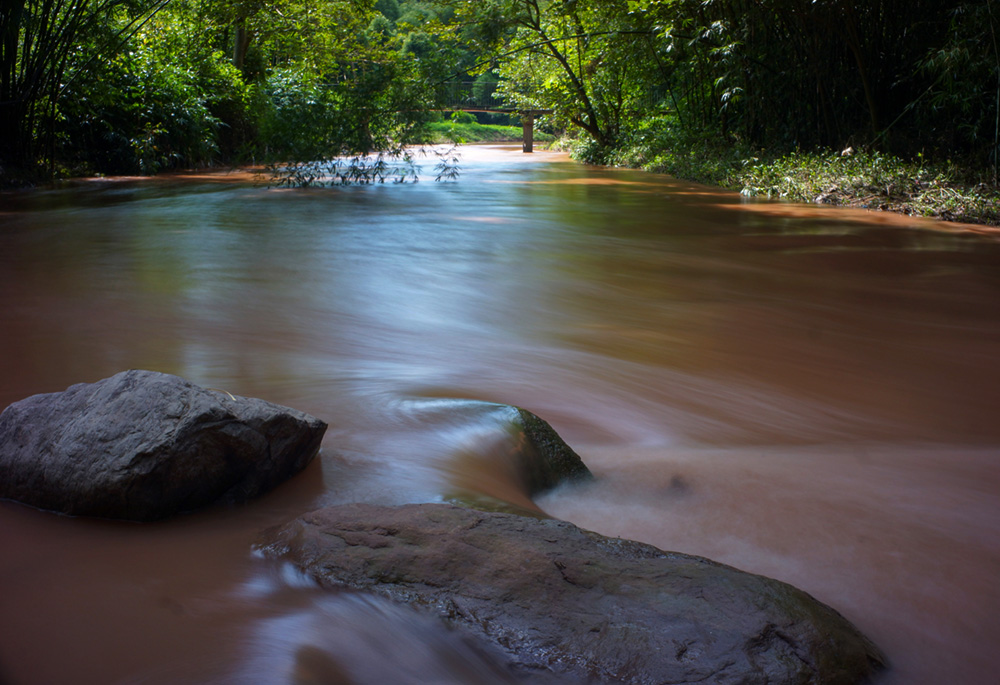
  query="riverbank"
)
[
  {"x": 873, "y": 181},
  {"x": 859, "y": 180},
  {"x": 852, "y": 178}
]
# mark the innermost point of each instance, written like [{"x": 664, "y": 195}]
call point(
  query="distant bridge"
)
[{"x": 460, "y": 96}]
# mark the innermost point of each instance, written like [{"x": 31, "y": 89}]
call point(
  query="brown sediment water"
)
[{"x": 803, "y": 392}]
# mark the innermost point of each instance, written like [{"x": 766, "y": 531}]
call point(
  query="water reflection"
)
[{"x": 803, "y": 392}]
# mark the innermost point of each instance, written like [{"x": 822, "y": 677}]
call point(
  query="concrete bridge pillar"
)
[{"x": 527, "y": 131}]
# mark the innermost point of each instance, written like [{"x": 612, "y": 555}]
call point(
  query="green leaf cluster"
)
[
  {"x": 921, "y": 76},
  {"x": 111, "y": 86},
  {"x": 140, "y": 86}
]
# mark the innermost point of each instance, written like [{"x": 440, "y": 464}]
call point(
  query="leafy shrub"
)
[
  {"x": 139, "y": 113},
  {"x": 228, "y": 99},
  {"x": 660, "y": 144},
  {"x": 295, "y": 116},
  {"x": 875, "y": 181}
]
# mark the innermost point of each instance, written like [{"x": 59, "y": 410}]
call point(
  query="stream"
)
[{"x": 805, "y": 392}]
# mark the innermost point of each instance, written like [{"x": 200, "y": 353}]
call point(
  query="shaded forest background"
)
[{"x": 141, "y": 86}]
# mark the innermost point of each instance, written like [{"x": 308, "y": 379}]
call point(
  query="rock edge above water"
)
[
  {"x": 550, "y": 461},
  {"x": 557, "y": 598},
  {"x": 143, "y": 445}
]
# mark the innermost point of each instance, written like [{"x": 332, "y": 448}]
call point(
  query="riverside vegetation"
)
[
  {"x": 463, "y": 127},
  {"x": 878, "y": 103}
]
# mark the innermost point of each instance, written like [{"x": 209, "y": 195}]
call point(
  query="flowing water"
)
[{"x": 808, "y": 393}]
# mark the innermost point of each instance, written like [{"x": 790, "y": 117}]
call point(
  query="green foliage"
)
[
  {"x": 205, "y": 81},
  {"x": 662, "y": 144},
  {"x": 160, "y": 113},
  {"x": 691, "y": 87},
  {"x": 462, "y": 118},
  {"x": 388, "y": 8},
  {"x": 42, "y": 49},
  {"x": 780, "y": 75},
  {"x": 592, "y": 63},
  {"x": 167, "y": 101},
  {"x": 296, "y": 116},
  {"x": 395, "y": 166},
  {"x": 875, "y": 181},
  {"x": 485, "y": 86},
  {"x": 474, "y": 132},
  {"x": 904, "y": 77},
  {"x": 381, "y": 29},
  {"x": 961, "y": 109},
  {"x": 359, "y": 170}
]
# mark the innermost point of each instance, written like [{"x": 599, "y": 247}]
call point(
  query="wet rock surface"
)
[
  {"x": 514, "y": 444},
  {"x": 143, "y": 445},
  {"x": 560, "y": 599},
  {"x": 546, "y": 460}
]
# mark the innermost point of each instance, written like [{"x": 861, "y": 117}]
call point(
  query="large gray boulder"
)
[
  {"x": 560, "y": 599},
  {"x": 143, "y": 445}
]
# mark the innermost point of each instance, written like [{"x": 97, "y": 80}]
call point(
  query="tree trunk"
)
[{"x": 241, "y": 44}]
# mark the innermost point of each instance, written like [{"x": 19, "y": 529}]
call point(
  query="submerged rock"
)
[
  {"x": 480, "y": 454},
  {"x": 143, "y": 445},
  {"x": 511, "y": 443},
  {"x": 523, "y": 450},
  {"x": 560, "y": 599},
  {"x": 545, "y": 460}
]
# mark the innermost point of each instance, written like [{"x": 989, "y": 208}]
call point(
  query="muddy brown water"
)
[{"x": 808, "y": 393}]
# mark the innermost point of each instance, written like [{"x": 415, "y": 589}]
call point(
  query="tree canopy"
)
[{"x": 111, "y": 86}]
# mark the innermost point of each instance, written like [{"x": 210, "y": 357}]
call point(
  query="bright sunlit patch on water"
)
[{"x": 485, "y": 219}]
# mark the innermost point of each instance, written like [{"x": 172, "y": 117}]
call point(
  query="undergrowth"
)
[
  {"x": 864, "y": 178},
  {"x": 874, "y": 181}
]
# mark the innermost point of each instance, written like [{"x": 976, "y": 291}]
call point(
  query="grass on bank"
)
[
  {"x": 462, "y": 127},
  {"x": 873, "y": 181},
  {"x": 854, "y": 178}
]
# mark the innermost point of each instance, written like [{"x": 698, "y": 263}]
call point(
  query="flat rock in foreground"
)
[
  {"x": 143, "y": 445},
  {"x": 558, "y": 598}
]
